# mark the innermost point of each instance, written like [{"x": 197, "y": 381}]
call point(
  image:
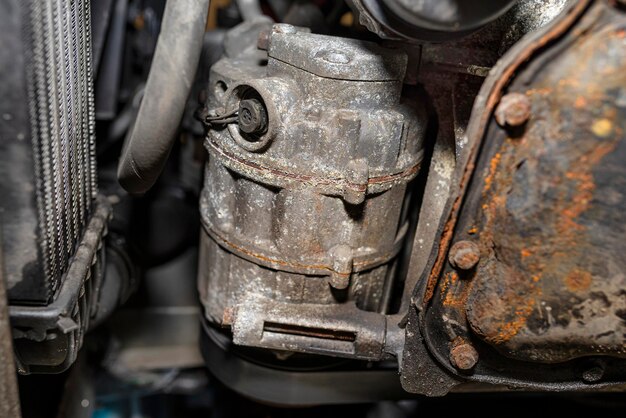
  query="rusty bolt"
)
[
  {"x": 464, "y": 356},
  {"x": 464, "y": 255},
  {"x": 513, "y": 110},
  {"x": 252, "y": 117}
]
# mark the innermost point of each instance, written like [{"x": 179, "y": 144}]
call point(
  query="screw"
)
[
  {"x": 464, "y": 255},
  {"x": 252, "y": 117},
  {"x": 464, "y": 356},
  {"x": 513, "y": 110}
]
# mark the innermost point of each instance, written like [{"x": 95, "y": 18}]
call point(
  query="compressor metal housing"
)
[{"x": 304, "y": 209}]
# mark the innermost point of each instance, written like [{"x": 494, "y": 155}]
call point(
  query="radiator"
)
[{"x": 52, "y": 222}]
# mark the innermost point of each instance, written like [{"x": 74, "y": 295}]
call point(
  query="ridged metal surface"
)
[{"x": 62, "y": 126}]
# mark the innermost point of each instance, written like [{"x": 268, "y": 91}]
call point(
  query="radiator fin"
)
[{"x": 62, "y": 127}]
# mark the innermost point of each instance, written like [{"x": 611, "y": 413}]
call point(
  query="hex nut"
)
[
  {"x": 464, "y": 255},
  {"x": 464, "y": 356},
  {"x": 513, "y": 110}
]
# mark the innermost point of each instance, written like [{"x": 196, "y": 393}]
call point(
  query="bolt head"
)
[
  {"x": 513, "y": 110},
  {"x": 464, "y": 255},
  {"x": 464, "y": 356},
  {"x": 252, "y": 117}
]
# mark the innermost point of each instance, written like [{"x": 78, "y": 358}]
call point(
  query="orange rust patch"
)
[
  {"x": 493, "y": 166},
  {"x": 578, "y": 280},
  {"x": 580, "y": 102},
  {"x": 569, "y": 82},
  {"x": 584, "y": 189},
  {"x": 446, "y": 236},
  {"x": 545, "y": 91},
  {"x": 510, "y": 329},
  {"x": 525, "y": 252},
  {"x": 477, "y": 129},
  {"x": 445, "y": 284},
  {"x": 523, "y": 310},
  {"x": 456, "y": 296}
]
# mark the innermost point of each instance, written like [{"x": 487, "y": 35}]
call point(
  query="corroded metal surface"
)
[
  {"x": 552, "y": 218},
  {"x": 304, "y": 219},
  {"x": 529, "y": 184}
]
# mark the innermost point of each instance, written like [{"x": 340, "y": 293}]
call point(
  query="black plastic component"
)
[{"x": 47, "y": 338}]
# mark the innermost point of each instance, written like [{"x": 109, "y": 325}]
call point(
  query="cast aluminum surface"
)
[{"x": 303, "y": 223}]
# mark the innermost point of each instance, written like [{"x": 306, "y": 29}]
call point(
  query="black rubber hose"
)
[{"x": 172, "y": 73}]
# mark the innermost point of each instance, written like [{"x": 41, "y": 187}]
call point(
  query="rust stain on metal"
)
[
  {"x": 580, "y": 103},
  {"x": 578, "y": 280},
  {"x": 358, "y": 265},
  {"x": 552, "y": 208},
  {"x": 304, "y": 178},
  {"x": 487, "y": 100},
  {"x": 447, "y": 234},
  {"x": 493, "y": 165},
  {"x": 454, "y": 297}
]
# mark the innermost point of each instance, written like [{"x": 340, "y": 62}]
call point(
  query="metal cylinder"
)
[{"x": 304, "y": 217}]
